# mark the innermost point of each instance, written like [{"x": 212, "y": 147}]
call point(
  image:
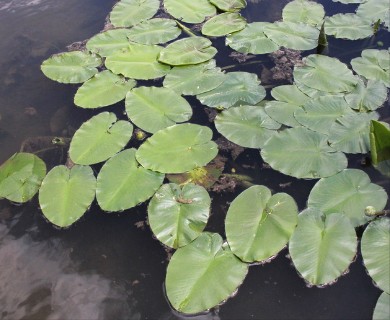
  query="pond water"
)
[{"x": 108, "y": 266}]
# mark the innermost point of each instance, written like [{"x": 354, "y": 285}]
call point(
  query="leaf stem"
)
[{"x": 185, "y": 29}]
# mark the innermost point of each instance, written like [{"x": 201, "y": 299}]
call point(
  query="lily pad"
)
[
  {"x": 203, "y": 274},
  {"x": 122, "y": 183},
  {"x": 379, "y": 141},
  {"x": 190, "y": 11},
  {"x": 194, "y": 79},
  {"x": 258, "y": 224},
  {"x": 177, "y": 149},
  {"x": 293, "y": 35},
  {"x": 252, "y": 39},
  {"x": 21, "y": 176},
  {"x": 153, "y": 108},
  {"x": 99, "y": 138},
  {"x": 247, "y": 126},
  {"x": 382, "y": 308},
  {"x": 71, "y": 67},
  {"x": 223, "y": 24},
  {"x": 104, "y": 89},
  {"x": 308, "y": 12},
  {"x": 325, "y": 74},
  {"x": 302, "y": 153},
  {"x": 229, "y": 5},
  {"x": 351, "y": 133},
  {"x": 66, "y": 194},
  {"x": 177, "y": 215},
  {"x": 348, "y": 192},
  {"x": 138, "y": 61},
  {"x": 239, "y": 88},
  {"x": 185, "y": 51},
  {"x": 348, "y": 26},
  {"x": 154, "y": 31},
  {"x": 108, "y": 42},
  {"x": 367, "y": 97},
  {"x": 376, "y": 252},
  {"x": 127, "y": 13},
  {"x": 375, "y": 10},
  {"x": 322, "y": 246}
]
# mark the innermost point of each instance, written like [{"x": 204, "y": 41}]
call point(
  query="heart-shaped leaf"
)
[
  {"x": 223, "y": 24},
  {"x": 108, "y": 42},
  {"x": 190, "y": 11},
  {"x": 127, "y": 13}
]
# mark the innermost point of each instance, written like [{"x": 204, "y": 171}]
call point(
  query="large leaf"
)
[
  {"x": 239, "y": 88},
  {"x": 326, "y": 74},
  {"x": 99, "y": 138},
  {"x": 193, "y": 80},
  {"x": 351, "y": 133},
  {"x": 288, "y": 99},
  {"x": 322, "y": 246},
  {"x": 104, "y": 89},
  {"x": 66, "y": 194},
  {"x": 375, "y": 10},
  {"x": 203, "y": 274},
  {"x": 308, "y": 12},
  {"x": 178, "y": 149},
  {"x": 229, "y": 5},
  {"x": 108, "y": 42},
  {"x": 247, "y": 126},
  {"x": 348, "y": 26},
  {"x": 302, "y": 153},
  {"x": 71, "y": 67},
  {"x": 319, "y": 114},
  {"x": 293, "y": 35},
  {"x": 21, "y": 176},
  {"x": 223, "y": 24},
  {"x": 348, "y": 192},
  {"x": 154, "y": 31},
  {"x": 185, "y": 51},
  {"x": 177, "y": 215},
  {"x": 137, "y": 61},
  {"x": 373, "y": 64},
  {"x": 122, "y": 183},
  {"x": 153, "y": 108},
  {"x": 258, "y": 224},
  {"x": 127, "y": 13},
  {"x": 190, "y": 11},
  {"x": 376, "y": 252},
  {"x": 379, "y": 141},
  {"x": 382, "y": 308}
]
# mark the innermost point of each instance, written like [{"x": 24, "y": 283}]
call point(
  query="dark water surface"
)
[{"x": 108, "y": 266}]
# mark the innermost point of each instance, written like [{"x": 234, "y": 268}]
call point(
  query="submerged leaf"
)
[
  {"x": 190, "y": 11},
  {"x": 348, "y": 26},
  {"x": 223, "y": 24},
  {"x": 379, "y": 141},
  {"x": 308, "y": 12},
  {"x": 127, "y": 13},
  {"x": 108, "y": 42}
]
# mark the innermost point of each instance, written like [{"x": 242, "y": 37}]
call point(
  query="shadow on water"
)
[{"x": 108, "y": 266}]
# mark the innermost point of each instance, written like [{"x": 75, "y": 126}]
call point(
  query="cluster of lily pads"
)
[{"x": 305, "y": 132}]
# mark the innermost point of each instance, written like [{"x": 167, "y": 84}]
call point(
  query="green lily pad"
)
[
  {"x": 239, "y": 88},
  {"x": 258, "y": 224},
  {"x": 177, "y": 149},
  {"x": 99, "y": 138},
  {"x": 382, "y": 308},
  {"x": 229, "y": 5},
  {"x": 122, "y": 183},
  {"x": 71, "y": 67},
  {"x": 223, "y": 24},
  {"x": 203, "y": 274},
  {"x": 375, "y": 10},
  {"x": 194, "y": 79},
  {"x": 348, "y": 192},
  {"x": 185, "y": 51},
  {"x": 321, "y": 113},
  {"x": 293, "y": 35},
  {"x": 322, "y": 246},
  {"x": 154, "y": 31},
  {"x": 252, "y": 39},
  {"x": 302, "y": 153},
  {"x": 153, "y": 108},
  {"x": 190, "y": 11},
  {"x": 138, "y": 61},
  {"x": 21, "y": 176},
  {"x": 308, "y": 12},
  {"x": 104, "y": 89},
  {"x": 379, "y": 141},
  {"x": 348, "y": 26},
  {"x": 376, "y": 252},
  {"x": 108, "y": 42},
  {"x": 247, "y": 126},
  {"x": 66, "y": 194},
  {"x": 351, "y": 133},
  {"x": 127, "y": 13},
  {"x": 177, "y": 215},
  {"x": 325, "y": 74}
]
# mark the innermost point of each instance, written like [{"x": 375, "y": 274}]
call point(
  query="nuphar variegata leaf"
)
[
  {"x": 223, "y": 24},
  {"x": 108, "y": 42},
  {"x": 348, "y": 26},
  {"x": 308, "y": 12},
  {"x": 190, "y": 11},
  {"x": 382, "y": 307},
  {"x": 127, "y": 13}
]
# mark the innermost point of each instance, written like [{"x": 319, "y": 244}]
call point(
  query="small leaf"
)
[
  {"x": 229, "y": 5},
  {"x": 127, "y": 13},
  {"x": 190, "y": 11},
  {"x": 223, "y": 24}
]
